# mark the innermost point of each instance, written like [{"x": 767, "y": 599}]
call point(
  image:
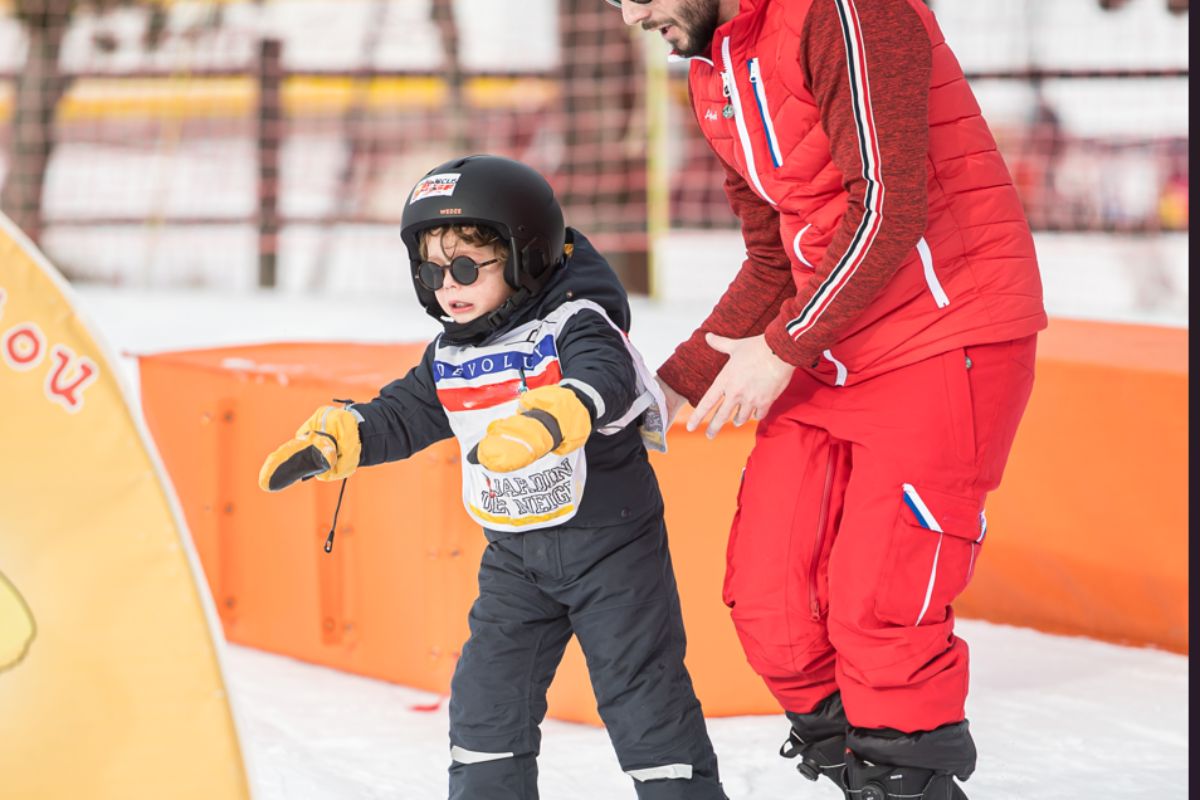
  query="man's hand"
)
[
  {"x": 745, "y": 387},
  {"x": 675, "y": 400}
]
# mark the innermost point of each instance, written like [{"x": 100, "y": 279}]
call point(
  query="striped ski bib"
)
[{"x": 476, "y": 385}]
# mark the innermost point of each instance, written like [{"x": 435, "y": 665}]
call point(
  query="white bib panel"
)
[{"x": 479, "y": 384}]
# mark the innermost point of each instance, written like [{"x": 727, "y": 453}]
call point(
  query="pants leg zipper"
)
[{"x": 814, "y": 603}]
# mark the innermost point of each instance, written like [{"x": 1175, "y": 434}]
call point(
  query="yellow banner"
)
[{"x": 110, "y": 684}]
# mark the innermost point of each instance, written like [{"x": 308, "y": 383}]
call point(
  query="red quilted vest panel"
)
[{"x": 973, "y": 279}]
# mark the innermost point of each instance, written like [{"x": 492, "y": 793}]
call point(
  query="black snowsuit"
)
[{"x": 604, "y": 576}]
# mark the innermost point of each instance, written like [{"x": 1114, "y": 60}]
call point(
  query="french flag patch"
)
[{"x": 921, "y": 511}]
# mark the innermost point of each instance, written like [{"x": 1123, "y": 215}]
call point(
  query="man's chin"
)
[
  {"x": 688, "y": 48},
  {"x": 680, "y": 45}
]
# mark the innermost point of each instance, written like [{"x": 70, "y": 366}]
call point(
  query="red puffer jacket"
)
[{"x": 881, "y": 224}]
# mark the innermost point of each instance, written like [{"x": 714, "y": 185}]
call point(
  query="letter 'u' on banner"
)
[{"x": 110, "y": 679}]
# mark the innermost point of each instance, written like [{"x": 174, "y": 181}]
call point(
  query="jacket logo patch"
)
[
  {"x": 496, "y": 362},
  {"x": 710, "y": 115}
]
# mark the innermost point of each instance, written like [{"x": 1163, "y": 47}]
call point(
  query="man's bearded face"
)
[{"x": 688, "y": 27}]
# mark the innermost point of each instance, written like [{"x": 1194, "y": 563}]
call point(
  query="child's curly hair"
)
[{"x": 467, "y": 233}]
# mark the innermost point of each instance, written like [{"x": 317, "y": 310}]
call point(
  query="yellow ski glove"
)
[
  {"x": 326, "y": 447},
  {"x": 551, "y": 419}
]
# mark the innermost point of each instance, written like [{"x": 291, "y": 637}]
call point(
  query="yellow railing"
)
[{"x": 303, "y": 95}]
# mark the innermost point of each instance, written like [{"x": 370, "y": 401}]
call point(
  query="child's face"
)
[{"x": 460, "y": 302}]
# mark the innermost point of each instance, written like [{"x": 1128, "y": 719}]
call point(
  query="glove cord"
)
[
  {"x": 342, "y": 491},
  {"x": 333, "y": 525}
]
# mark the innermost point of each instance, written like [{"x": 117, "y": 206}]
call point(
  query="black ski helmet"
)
[{"x": 503, "y": 194}]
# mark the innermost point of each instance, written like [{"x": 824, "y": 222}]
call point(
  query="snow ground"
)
[{"x": 1054, "y": 717}]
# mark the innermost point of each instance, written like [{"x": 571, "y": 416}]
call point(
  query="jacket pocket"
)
[
  {"x": 808, "y": 245},
  {"x": 764, "y": 113},
  {"x": 931, "y": 279},
  {"x": 931, "y": 558},
  {"x": 960, "y": 408}
]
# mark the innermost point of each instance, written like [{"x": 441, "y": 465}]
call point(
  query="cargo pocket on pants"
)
[{"x": 931, "y": 557}]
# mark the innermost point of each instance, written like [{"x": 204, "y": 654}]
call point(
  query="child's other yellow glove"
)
[
  {"x": 551, "y": 419},
  {"x": 326, "y": 447}
]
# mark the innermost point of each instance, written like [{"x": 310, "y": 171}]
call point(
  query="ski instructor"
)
[{"x": 882, "y": 327}]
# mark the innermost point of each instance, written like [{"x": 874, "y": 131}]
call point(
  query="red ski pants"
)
[{"x": 860, "y": 519}]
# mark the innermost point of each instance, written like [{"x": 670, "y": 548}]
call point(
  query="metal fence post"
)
[{"x": 270, "y": 135}]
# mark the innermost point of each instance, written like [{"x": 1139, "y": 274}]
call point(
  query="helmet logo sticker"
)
[{"x": 440, "y": 185}]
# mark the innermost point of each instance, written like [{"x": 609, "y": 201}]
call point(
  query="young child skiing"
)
[{"x": 553, "y": 408}]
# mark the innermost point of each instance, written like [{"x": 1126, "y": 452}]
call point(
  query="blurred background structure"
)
[{"x": 241, "y": 143}]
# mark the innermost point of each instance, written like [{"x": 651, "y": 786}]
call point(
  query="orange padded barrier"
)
[
  {"x": 390, "y": 601},
  {"x": 1088, "y": 534}
]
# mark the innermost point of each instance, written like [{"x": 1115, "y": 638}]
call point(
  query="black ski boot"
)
[
  {"x": 867, "y": 781},
  {"x": 824, "y": 757},
  {"x": 819, "y": 738},
  {"x": 887, "y": 764}
]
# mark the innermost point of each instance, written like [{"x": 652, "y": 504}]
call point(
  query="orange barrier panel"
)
[
  {"x": 1098, "y": 465},
  {"x": 390, "y": 601},
  {"x": 1088, "y": 532}
]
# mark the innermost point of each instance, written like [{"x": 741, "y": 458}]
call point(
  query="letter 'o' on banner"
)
[{"x": 110, "y": 679}]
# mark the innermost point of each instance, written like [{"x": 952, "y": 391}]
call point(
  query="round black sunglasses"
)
[{"x": 464, "y": 270}]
